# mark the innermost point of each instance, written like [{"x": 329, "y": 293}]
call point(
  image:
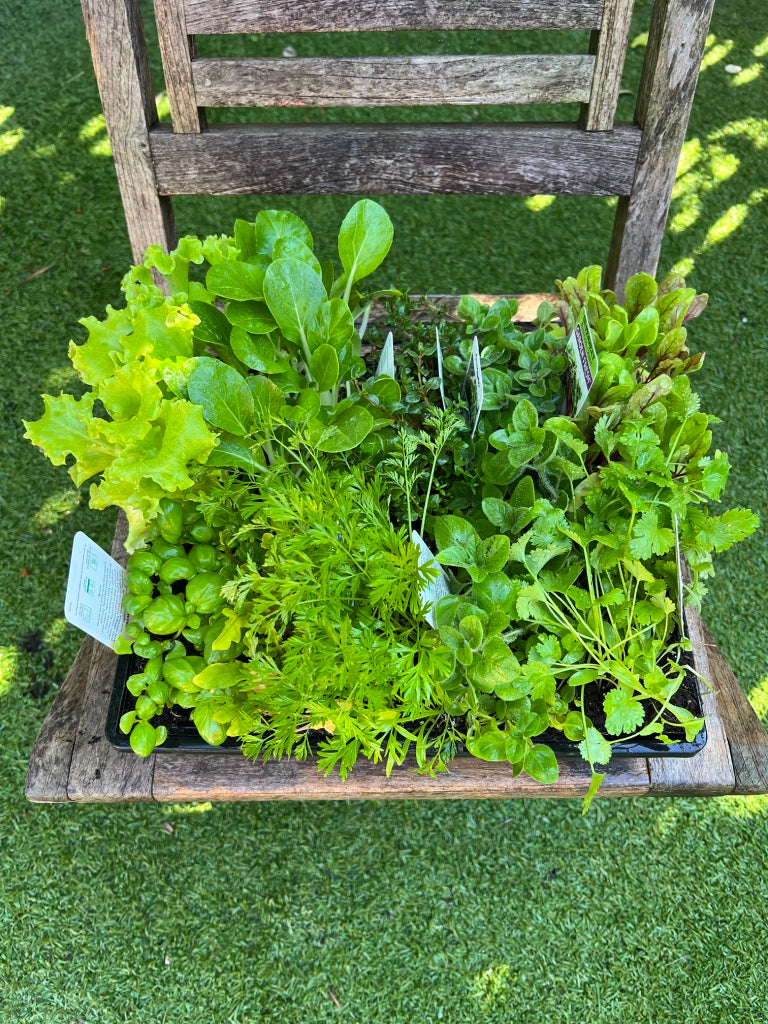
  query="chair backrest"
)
[{"x": 634, "y": 161}]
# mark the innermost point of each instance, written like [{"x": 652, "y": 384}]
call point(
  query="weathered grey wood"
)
[
  {"x": 229, "y": 777},
  {"x": 609, "y": 46},
  {"x": 392, "y": 81},
  {"x": 118, "y": 49},
  {"x": 98, "y": 772},
  {"x": 670, "y": 72},
  {"x": 747, "y": 739},
  {"x": 504, "y": 159},
  {"x": 51, "y": 755},
  {"x": 710, "y": 772},
  {"x": 177, "y": 51},
  {"x": 206, "y": 17}
]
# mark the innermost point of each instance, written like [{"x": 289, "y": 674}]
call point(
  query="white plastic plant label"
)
[
  {"x": 95, "y": 589},
  {"x": 582, "y": 364},
  {"x": 440, "y": 377},
  {"x": 474, "y": 383},
  {"x": 432, "y": 592},
  {"x": 386, "y": 366},
  {"x": 680, "y": 580}
]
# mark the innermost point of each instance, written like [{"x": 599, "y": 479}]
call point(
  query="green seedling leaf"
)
[
  {"x": 364, "y": 240},
  {"x": 271, "y": 225},
  {"x": 324, "y": 367},
  {"x": 252, "y": 316},
  {"x": 622, "y": 713},
  {"x": 293, "y": 248},
  {"x": 213, "y": 732},
  {"x": 293, "y": 293},
  {"x": 268, "y": 398},
  {"x": 258, "y": 353},
  {"x": 497, "y": 668},
  {"x": 489, "y": 743},
  {"x": 223, "y": 395},
  {"x": 594, "y": 785},
  {"x": 345, "y": 430},
  {"x": 541, "y": 764},
  {"x": 231, "y": 453},
  {"x": 232, "y": 279},
  {"x": 595, "y": 748},
  {"x": 213, "y": 328},
  {"x": 648, "y": 538},
  {"x": 143, "y": 739}
]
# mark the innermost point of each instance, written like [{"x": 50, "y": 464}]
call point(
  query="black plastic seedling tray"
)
[{"x": 183, "y": 735}]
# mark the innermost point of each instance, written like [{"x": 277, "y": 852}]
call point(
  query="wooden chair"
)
[{"x": 71, "y": 759}]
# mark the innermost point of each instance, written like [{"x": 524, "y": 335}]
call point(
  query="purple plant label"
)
[{"x": 95, "y": 590}]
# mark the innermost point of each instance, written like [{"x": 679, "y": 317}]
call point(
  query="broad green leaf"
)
[
  {"x": 496, "y": 668},
  {"x": 720, "y": 532},
  {"x": 251, "y": 316},
  {"x": 489, "y": 743},
  {"x": 525, "y": 416},
  {"x": 293, "y": 248},
  {"x": 714, "y": 475},
  {"x": 364, "y": 239},
  {"x": 333, "y": 324},
  {"x": 272, "y": 225},
  {"x": 223, "y": 395},
  {"x": 105, "y": 349},
  {"x": 245, "y": 239},
  {"x": 345, "y": 430},
  {"x": 324, "y": 367},
  {"x": 268, "y": 398},
  {"x": 541, "y": 764},
  {"x": 294, "y": 294},
  {"x": 232, "y": 453},
  {"x": 493, "y": 553},
  {"x": 306, "y": 407},
  {"x": 213, "y": 732},
  {"x": 232, "y": 279},
  {"x": 640, "y": 291},
  {"x": 453, "y": 530},
  {"x": 214, "y": 327},
  {"x": 258, "y": 353},
  {"x": 63, "y": 430},
  {"x": 143, "y": 739}
]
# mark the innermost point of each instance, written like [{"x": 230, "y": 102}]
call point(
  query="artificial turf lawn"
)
[{"x": 645, "y": 911}]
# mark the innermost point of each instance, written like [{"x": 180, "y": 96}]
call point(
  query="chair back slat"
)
[
  {"x": 214, "y": 17},
  {"x": 392, "y": 81},
  {"x": 457, "y": 159},
  {"x": 595, "y": 156}
]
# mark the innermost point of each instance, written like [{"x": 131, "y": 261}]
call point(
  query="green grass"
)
[{"x": 495, "y": 912}]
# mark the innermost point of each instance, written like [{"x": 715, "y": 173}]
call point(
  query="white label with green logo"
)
[
  {"x": 581, "y": 354},
  {"x": 474, "y": 383},
  {"x": 386, "y": 365},
  {"x": 95, "y": 589},
  {"x": 430, "y": 593}
]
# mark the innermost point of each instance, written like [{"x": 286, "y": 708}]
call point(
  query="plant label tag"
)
[
  {"x": 581, "y": 354},
  {"x": 474, "y": 382},
  {"x": 95, "y": 589},
  {"x": 680, "y": 581},
  {"x": 386, "y": 366},
  {"x": 440, "y": 377},
  {"x": 430, "y": 593}
]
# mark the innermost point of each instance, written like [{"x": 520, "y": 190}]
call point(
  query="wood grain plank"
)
[
  {"x": 229, "y": 777},
  {"x": 118, "y": 49},
  {"x": 207, "y": 17},
  {"x": 710, "y": 772},
  {"x": 609, "y": 46},
  {"x": 392, "y": 81},
  {"x": 51, "y": 755},
  {"x": 670, "y": 72},
  {"x": 177, "y": 50},
  {"x": 747, "y": 738},
  {"x": 509, "y": 159},
  {"x": 99, "y": 773}
]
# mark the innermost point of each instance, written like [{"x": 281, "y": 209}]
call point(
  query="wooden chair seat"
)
[{"x": 71, "y": 759}]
